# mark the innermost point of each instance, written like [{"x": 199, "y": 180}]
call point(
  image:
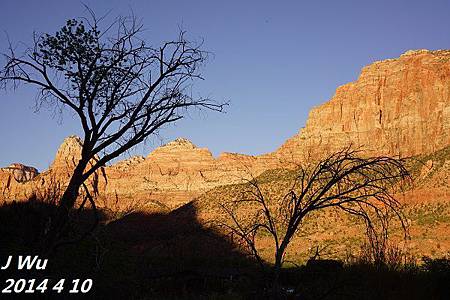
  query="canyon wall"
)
[
  {"x": 397, "y": 107},
  {"x": 169, "y": 176}
]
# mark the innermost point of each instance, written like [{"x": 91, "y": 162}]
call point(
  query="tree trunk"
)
[
  {"x": 276, "y": 288},
  {"x": 66, "y": 203}
]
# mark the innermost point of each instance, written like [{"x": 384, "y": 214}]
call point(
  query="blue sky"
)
[{"x": 273, "y": 60}]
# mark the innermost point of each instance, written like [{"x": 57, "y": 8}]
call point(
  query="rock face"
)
[
  {"x": 21, "y": 173},
  {"x": 177, "y": 172},
  {"x": 397, "y": 107},
  {"x": 15, "y": 181},
  {"x": 51, "y": 183},
  {"x": 66, "y": 158},
  {"x": 68, "y": 154}
]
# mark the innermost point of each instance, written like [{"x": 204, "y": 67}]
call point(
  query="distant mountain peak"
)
[
  {"x": 181, "y": 143},
  {"x": 21, "y": 172}
]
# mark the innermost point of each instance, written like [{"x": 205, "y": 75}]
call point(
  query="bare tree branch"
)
[
  {"x": 362, "y": 187},
  {"x": 122, "y": 89}
]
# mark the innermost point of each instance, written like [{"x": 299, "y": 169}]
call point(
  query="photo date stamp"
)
[{"x": 32, "y": 286}]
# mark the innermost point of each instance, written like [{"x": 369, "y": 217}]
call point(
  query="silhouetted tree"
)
[
  {"x": 120, "y": 88},
  {"x": 362, "y": 187}
]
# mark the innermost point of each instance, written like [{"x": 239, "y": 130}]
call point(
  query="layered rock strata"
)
[{"x": 397, "y": 107}]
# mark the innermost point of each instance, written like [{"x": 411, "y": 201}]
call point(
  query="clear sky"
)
[{"x": 274, "y": 60}]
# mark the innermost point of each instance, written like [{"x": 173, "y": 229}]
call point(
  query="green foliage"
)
[
  {"x": 429, "y": 218},
  {"x": 90, "y": 64},
  {"x": 438, "y": 158},
  {"x": 429, "y": 214},
  {"x": 71, "y": 46}
]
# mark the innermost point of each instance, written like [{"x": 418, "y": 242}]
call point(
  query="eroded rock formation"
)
[
  {"x": 397, "y": 107},
  {"x": 20, "y": 172},
  {"x": 177, "y": 172},
  {"x": 13, "y": 181}
]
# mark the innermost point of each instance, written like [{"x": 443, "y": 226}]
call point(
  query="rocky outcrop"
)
[
  {"x": 397, "y": 107},
  {"x": 14, "y": 181},
  {"x": 169, "y": 176},
  {"x": 21, "y": 173},
  {"x": 50, "y": 183},
  {"x": 177, "y": 172},
  {"x": 67, "y": 157}
]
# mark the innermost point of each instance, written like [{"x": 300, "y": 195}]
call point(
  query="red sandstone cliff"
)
[
  {"x": 176, "y": 172},
  {"x": 396, "y": 107}
]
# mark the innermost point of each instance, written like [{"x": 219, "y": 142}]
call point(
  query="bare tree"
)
[
  {"x": 121, "y": 89},
  {"x": 362, "y": 187}
]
